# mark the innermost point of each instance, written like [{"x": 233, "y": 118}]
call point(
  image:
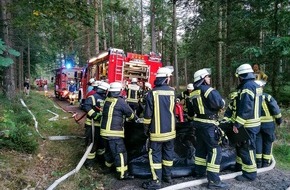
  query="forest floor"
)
[{"x": 54, "y": 159}]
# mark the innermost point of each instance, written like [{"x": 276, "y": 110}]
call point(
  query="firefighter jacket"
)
[
  {"x": 93, "y": 106},
  {"x": 205, "y": 104},
  {"x": 160, "y": 112},
  {"x": 249, "y": 103},
  {"x": 270, "y": 110},
  {"x": 133, "y": 93},
  {"x": 230, "y": 113},
  {"x": 112, "y": 124}
]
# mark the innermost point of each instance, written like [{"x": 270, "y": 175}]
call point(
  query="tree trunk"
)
[
  {"x": 174, "y": 28},
  {"x": 9, "y": 84},
  {"x": 220, "y": 48},
  {"x": 97, "y": 47},
  {"x": 103, "y": 27},
  {"x": 153, "y": 35},
  {"x": 142, "y": 27},
  {"x": 28, "y": 59}
]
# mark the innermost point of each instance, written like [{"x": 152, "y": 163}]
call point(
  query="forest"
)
[{"x": 39, "y": 36}]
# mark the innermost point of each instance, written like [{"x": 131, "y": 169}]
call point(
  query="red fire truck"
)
[
  {"x": 114, "y": 65},
  {"x": 63, "y": 78}
]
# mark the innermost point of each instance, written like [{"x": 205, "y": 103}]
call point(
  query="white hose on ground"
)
[
  {"x": 80, "y": 164},
  {"x": 223, "y": 177},
  {"x": 53, "y": 118},
  {"x": 35, "y": 122}
]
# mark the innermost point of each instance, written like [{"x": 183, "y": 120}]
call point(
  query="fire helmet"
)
[
  {"x": 190, "y": 86},
  {"x": 201, "y": 74},
  {"x": 147, "y": 84},
  {"x": 164, "y": 72},
  {"x": 96, "y": 83},
  {"x": 243, "y": 69},
  {"x": 115, "y": 87},
  {"x": 104, "y": 85},
  {"x": 134, "y": 80},
  {"x": 91, "y": 80}
]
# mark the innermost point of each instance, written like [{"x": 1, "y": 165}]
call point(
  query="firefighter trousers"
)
[
  {"x": 161, "y": 159},
  {"x": 208, "y": 151},
  {"x": 98, "y": 146},
  {"x": 264, "y": 144},
  {"x": 116, "y": 154},
  {"x": 246, "y": 157}
]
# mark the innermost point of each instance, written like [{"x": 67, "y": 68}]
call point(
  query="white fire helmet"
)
[
  {"x": 261, "y": 83},
  {"x": 134, "y": 80},
  {"x": 201, "y": 74},
  {"x": 148, "y": 85},
  {"x": 190, "y": 86},
  {"x": 96, "y": 83},
  {"x": 164, "y": 72},
  {"x": 104, "y": 85},
  {"x": 72, "y": 82},
  {"x": 91, "y": 80},
  {"x": 243, "y": 69},
  {"x": 115, "y": 87}
]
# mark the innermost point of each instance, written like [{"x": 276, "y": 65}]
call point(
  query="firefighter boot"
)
[
  {"x": 167, "y": 179},
  {"x": 243, "y": 178},
  {"x": 89, "y": 164},
  {"x": 152, "y": 185},
  {"x": 126, "y": 176},
  {"x": 217, "y": 185}
]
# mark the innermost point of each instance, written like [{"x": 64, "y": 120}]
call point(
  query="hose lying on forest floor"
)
[
  {"x": 53, "y": 138},
  {"x": 223, "y": 177}
]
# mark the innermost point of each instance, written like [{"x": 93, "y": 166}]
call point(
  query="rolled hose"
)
[{"x": 222, "y": 177}]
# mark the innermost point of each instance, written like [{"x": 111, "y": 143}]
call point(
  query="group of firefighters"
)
[{"x": 249, "y": 108}]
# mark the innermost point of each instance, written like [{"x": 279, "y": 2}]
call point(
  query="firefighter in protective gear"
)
[
  {"x": 93, "y": 106},
  {"x": 159, "y": 124},
  {"x": 184, "y": 95},
  {"x": 206, "y": 102},
  {"x": 270, "y": 115},
  {"x": 112, "y": 130},
  {"x": 72, "y": 92},
  {"x": 133, "y": 95},
  {"x": 248, "y": 114}
]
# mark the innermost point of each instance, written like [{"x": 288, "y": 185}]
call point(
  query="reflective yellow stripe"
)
[
  {"x": 132, "y": 100},
  {"x": 207, "y": 92},
  {"x": 239, "y": 160},
  {"x": 91, "y": 112},
  {"x": 171, "y": 109},
  {"x": 154, "y": 175},
  {"x": 200, "y": 161},
  {"x": 110, "y": 114},
  {"x": 252, "y": 167},
  {"x": 167, "y": 163},
  {"x": 266, "y": 119},
  {"x": 278, "y": 116},
  {"x": 162, "y": 136},
  {"x": 247, "y": 91},
  {"x": 112, "y": 133},
  {"x": 258, "y": 156},
  {"x": 147, "y": 121},
  {"x": 206, "y": 121},
  {"x": 123, "y": 168},
  {"x": 91, "y": 155},
  {"x": 108, "y": 164}
]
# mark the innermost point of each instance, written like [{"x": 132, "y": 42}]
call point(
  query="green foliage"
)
[
  {"x": 282, "y": 155},
  {"x": 6, "y": 61}
]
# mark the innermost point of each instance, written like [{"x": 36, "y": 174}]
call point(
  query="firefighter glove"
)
[{"x": 278, "y": 121}]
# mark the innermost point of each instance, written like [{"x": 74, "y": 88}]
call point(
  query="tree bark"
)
[
  {"x": 174, "y": 28},
  {"x": 153, "y": 35},
  {"x": 9, "y": 82},
  {"x": 97, "y": 47},
  {"x": 220, "y": 48},
  {"x": 103, "y": 26},
  {"x": 142, "y": 27}
]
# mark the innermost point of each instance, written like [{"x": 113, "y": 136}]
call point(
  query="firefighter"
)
[
  {"x": 93, "y": 106},
  {"x": 206, "y": 102},
  {"x": 271, "y": 114},
  {"x": 90, "y": 86},
  {"x": 72, "y": 89},
  {"x": 248, "y": 116},
  {"x": 147, "y": 88},
  {"x": 184, "y": 95},
  {"x": 26, "y": 87},
  {"x": 133, "y": 95},
  {"x": 112, "y": 130},
  {"x": 159, "y": 125},
  {"x": 260, "y": 75}
]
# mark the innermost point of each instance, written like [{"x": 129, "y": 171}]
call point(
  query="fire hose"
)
[
  {"x": 222, "y": 177},
  {"x": 81, "y": 162}
]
